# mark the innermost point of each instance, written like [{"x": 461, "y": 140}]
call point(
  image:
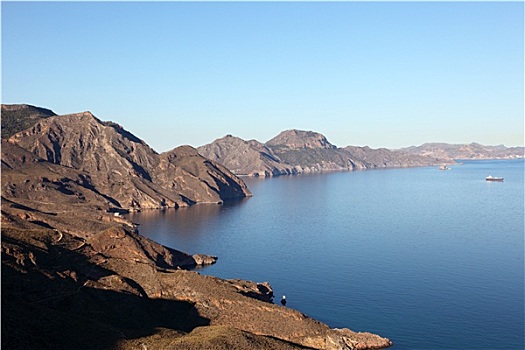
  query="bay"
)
[{"x": 430, "y": 259}]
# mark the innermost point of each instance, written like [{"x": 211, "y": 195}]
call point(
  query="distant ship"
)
[
  {"x": 493, "y": 178},
  {"x": 444, "y": 167}
]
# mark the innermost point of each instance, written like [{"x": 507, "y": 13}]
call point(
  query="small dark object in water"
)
[
  {"x": 494, "y": 179},
  {"x": 283, "y": 300}
]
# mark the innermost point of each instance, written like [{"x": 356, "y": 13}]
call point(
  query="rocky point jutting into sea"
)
[{"x": 76, "y": 274}]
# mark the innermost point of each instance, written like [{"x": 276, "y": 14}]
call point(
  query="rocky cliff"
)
[
  {"x": 297, "y": 151},
  {"x": 126, "y": 170}
]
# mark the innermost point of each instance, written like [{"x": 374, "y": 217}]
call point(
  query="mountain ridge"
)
[
  {"x": 298, "y": 151},
  {"x": 471, "y": 150},
  {"x": 125, "y": 168}
]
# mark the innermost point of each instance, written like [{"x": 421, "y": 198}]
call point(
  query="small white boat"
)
[{"x": 493, "y": 178}]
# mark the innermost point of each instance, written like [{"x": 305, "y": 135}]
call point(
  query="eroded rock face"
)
[{"x": 126, "y": 170}]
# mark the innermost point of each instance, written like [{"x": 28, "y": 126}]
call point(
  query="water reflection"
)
[{"x": 181, "y": 228}]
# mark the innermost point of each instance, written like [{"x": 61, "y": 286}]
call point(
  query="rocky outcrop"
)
[
  {"x": 202, "y": 260},
  {"x": 124, "y": 169}
]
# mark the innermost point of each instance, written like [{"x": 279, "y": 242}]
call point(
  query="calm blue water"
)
[{"x": 430, "y": 259}]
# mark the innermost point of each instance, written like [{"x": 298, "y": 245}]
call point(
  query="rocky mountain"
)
[
  {"x": 466, "y": 151},
  {"x": 308, "y": 151},
  {"x": 246, "y": 157},
  {"x": 16, "y": 118},
  {"x": 124, "y": 169},
  {"x": 385, "y": 158},
  {"x": 297, "y": 151},
  {"x": 298, "y": 139}
]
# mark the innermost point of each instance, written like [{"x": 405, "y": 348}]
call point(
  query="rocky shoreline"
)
[{"x": 126, "y": 291}]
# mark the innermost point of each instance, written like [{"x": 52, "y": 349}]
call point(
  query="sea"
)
[{"x": 430, "y": 259}]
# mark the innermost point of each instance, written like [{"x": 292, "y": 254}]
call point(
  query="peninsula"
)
[{"x": 298, "y": 151}]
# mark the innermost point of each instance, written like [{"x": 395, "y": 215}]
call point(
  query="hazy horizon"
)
[{"x": 377, "y": 74}]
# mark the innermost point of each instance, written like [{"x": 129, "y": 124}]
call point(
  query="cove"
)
[{"x": 430, "y": 259}]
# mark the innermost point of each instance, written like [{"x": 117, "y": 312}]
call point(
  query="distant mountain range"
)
[
  {"x": 466, "y": 151},
  {"x": 297, "y": 151}
]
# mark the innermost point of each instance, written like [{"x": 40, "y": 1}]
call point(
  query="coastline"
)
[{"x": 68, "y": 265}]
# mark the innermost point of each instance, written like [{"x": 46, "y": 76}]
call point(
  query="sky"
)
[{"x": 382, "y": 74}]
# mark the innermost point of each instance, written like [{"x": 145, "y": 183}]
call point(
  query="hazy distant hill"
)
[
  {"x": 385, "y": 158},
  {"x": 308, "y": 151},
  {"x": 16, "y": 118},
  {"x": 297, "y": 151},
  {"x": 126, "y": 170},
  {"x": 466, "y": 151}
]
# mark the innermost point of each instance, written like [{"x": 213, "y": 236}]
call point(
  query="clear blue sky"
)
[{"x": 374, "y": 73}]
